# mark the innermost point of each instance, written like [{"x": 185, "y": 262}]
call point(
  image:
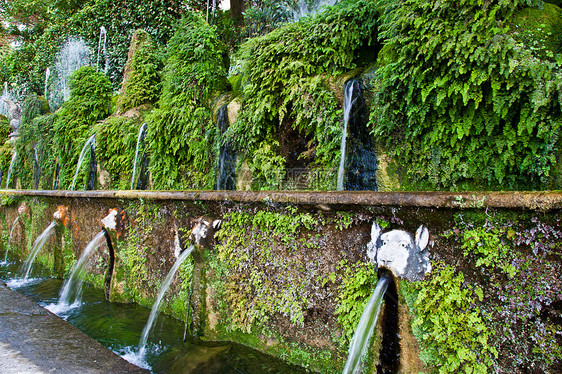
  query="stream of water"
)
[
  {"x": 72, "y": 287},
  {"x": 81, "y": 159},
  {"x": 37, "y": 245},
  {"x": 364, "y": 331},
  {"x": 119, "y": 326}
]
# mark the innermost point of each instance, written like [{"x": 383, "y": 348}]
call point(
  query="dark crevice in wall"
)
[
  {"x": 110, "y": 265},
  {"x": 390, "y": 350}
]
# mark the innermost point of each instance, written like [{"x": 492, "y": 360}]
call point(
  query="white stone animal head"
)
[
  {"x": 202, "y": 228},
  {"x": 399, "y": 252}
]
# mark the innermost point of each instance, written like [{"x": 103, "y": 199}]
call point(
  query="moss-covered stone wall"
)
[{"x": 293, "y": 279}]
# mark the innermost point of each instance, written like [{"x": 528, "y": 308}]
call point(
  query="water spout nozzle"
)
[
  {"x": 114, "y": 221},
  {"x": 61, "y": 215}
]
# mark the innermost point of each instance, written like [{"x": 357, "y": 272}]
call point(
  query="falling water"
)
[
  {"x": 90, "y": 140},
  {"x": 47, "y": 75},
  {"x": 72, "y": 287},
  {"x": 37, "y": 245},
  {"x": 348, "y": 101},
  {"x": 10, "y": 169},
  {"x": 102, "y": 48},
  {"x": 10, "y": 239},
  {"x": 73, "y": 55},
  {"x": 226, "y": 175},
  {"x": 364, "y": 331},
  {"x": 154, "y": 312},
  {"x": 140, "y": 138},
  {"x": 307, "y": 8},
  {"x": 37, "y": 171},
  {"x": 3, "y": 105}
]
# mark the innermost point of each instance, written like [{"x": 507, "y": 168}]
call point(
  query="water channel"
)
[{"x": 119, "y": 326}]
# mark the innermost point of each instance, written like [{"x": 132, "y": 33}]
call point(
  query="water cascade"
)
[
  {"x": 89, "y": 143},
  {"x": 226, "y": 175},
  {"x": 102, "y": 48},
  {"x": 11, "y": 168},
  {"x": 140, "y": 142},
  {"x": 364, "y": 331},
  {"x": 73, "y": 55},
  {"x": 348, "y": 101},
  {"x": 358, "y": 163},
  {"x": 3, "y": 105},
  {"x": 72, "y": 287},
  {"x": 37, "y": 169},
  {"x": 154, "y": 311},
  {"x": 37, "y": 245},
  {"x": 308, "y": 8},
  {"x": 10, "y": 239},
  {"x": 47, "y": 75}
]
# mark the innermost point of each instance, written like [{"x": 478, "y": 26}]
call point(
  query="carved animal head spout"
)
[
  {"x": 203, "y": 231},
  {"x": 114, "y": 221},
  {"x": 61, "y": 215},
  {"x": 396, "y": 250}
]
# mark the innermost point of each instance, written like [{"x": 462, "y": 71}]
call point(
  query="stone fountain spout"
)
[{"x": 403, "y": 255}]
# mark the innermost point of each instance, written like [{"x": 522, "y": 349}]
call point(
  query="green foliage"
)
[
  {"x": 84, "y": 19},
  {"x": 451, "y": 327},
  {"x": 255, "y": 247},
  {"x": 141, "y": 84},
  {"x": 116, "y": 140},
  {"x": 180, "y": 131},
  {"x": 33, "y": 137},
  {"x": 539, "y": 29},
  {"x": 90, "y": 98},
  {"x": 463, "y": 101},
  {"x": 287, "y": 71},
  {"x": 358, "y": 282},
  {"x": 5, "y": 128},
  {"x": 487, "y": 247},
  {"x": 267, "y": 167}
]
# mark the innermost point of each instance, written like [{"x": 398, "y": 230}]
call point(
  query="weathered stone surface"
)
[{"x": 35, "y": 341}]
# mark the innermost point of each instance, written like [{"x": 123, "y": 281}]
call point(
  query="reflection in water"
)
[{"x": 119, "y": 326}]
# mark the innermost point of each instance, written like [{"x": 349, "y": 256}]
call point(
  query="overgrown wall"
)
[{"x": 289, "y": 275}]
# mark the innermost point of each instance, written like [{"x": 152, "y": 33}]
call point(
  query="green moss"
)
[
  {"x": 141, "y": 83},
  {"x": 539, "y": 29}
]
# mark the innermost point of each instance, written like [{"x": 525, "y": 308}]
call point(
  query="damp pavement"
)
[{"x": 35, "y": 341}]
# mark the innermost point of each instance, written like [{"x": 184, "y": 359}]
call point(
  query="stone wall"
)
[{"x": 288, "y": 273}]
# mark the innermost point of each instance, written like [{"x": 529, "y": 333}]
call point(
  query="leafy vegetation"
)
[
  {"x": 181, "y": 131},
  {"x": 141, "y": 83},
  {"x": 90, "y": 98},
  {"x": 287, "y": 74},
  {"x": 451, "y": 326},
  {"x": 463, "y": 100},
  {"x": 358, "y": 282},
  {"x": 251, "y": 252}
]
